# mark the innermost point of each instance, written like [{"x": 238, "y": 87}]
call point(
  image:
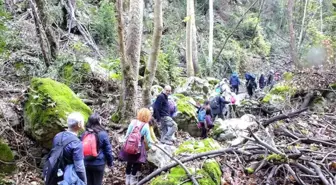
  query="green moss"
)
[
  {"x": 74, "y": 73},
  {"x": 279, "y": 93},
  {"x": 276, "y": 158},
  {"x": 6, "y": 155},
  {"x": 116, "y": 117},
  {"x": 198, "y": 146},
  {"x": 45, "y": 112},
  {"x": 217, "y": 130},
  {"x": 177, "y": 176},
  {"x": 249, "y": 170},
  {"x": 184, "y": 106},
  {"x": 288, "y": 76},
  {"x": 333, "y": 86},
  {"x": 213, "y": 169}
]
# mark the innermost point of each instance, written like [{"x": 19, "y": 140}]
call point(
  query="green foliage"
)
[
  {"x": 104, "y": 23},
  {"x": 6, "y": 155},
  {"x": 113, "y": 66},
  {"x": 167, "y": 70},
  {"x": 3, "y": 18},
  {"x": 276, "y": 158},
  {"x": 46, "y": 109}
]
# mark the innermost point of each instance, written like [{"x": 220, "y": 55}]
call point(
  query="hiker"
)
[
  {"x": 217, "y": 105},
  {"x": 162, "y": 115},
  {"x": 172, "y": 106},
  {"x": 270, "y": 79},
  {"x": 204, "y": 119},
  {"x": 66, "y": 155},
  {"x": 277, "y": 76},
  {"x": 261, "y": 81},
  {"x": 95, "y": 165},
  {"x": 235, "y": 82},
  {"x": 133, "y": 151},
  {"x": 251, "y": 85}
]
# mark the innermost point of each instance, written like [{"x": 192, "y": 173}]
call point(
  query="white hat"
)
[{"x": 75, "y": 118}]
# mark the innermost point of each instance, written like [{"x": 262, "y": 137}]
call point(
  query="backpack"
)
[
  {"x": 201, "y": 115},
  {"x": 90, "y": 145},
  {"x": 133, "y": 141},
  {"x": 55, "y": 164},
  {"x": 214, "y": 104}
]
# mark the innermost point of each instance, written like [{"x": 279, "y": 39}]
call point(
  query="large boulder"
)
[
  {"x": 47, "y": 107},
  {"x": 194, "y": 87},
  {"x": 159, "y": 158},
  {"x": 8, "y": 113},
  {"x": 7, "y": 156},
  {"x": 186, "y": 117},
  {"x": 209, "y": 171},
  {"x": 233, "y": 130}
]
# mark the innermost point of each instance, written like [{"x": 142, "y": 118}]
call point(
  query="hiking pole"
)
[{"x": 191, "y": 177}]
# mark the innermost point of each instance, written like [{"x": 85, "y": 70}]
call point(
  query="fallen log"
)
[
  {"x": 213, "y": 153},
  {"x": 283, "y": 116}
]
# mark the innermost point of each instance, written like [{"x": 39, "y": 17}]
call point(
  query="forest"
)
[{"x": 113, "y": 57}]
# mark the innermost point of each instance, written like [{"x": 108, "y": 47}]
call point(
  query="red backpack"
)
[
  {"x": 90, "y": 145},
  {"x": 133, "y": 141}
]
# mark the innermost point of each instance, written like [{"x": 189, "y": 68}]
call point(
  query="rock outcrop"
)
[{"x": 46, "y": 109}]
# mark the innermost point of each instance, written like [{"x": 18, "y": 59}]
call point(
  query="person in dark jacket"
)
[
  {"x": 217, "y": 105},
  {"x": 270, "y": 79},
  {"x": 235, "y": 82},
  {"x": 251, "y": 84},
  {"x": 262, "y": 81},
  {"x": 162, "y": 115},
  {"x": 73, "y": 152},
  {"x": 95, "y": 167}
]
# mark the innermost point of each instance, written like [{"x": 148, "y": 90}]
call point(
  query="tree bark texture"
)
[
  {"x": 303, "y": 23},
  {"x": 211, "y": 26},
  {"x": 292, "y": 31},
  {"x": 189, "y": 36},
  {"x": 152, "y": 62},
  {"x": 130, "y": 57},
  {"x": 53, "y": 43},
  {"x": 194, "y": 38}
]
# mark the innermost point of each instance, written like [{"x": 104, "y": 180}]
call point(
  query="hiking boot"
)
[
  {"x": 128, "y": 180},
  {"x": 134, "y": 180}
]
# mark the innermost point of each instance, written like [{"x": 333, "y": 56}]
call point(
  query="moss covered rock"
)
[
  {"x": 194, "y": 87},
  {"x": 210, "y": 173},
  {"x": 46, "y": 109},
  {"x": 194, "y": 147},
  {"x": 186, "y": 117},
  {"x": 279, "y": 93},
  {"x": 7, "y": 156}
]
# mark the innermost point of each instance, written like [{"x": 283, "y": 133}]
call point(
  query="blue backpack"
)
[{"x": 201, "y": 115}]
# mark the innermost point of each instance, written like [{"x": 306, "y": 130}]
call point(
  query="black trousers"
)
[
  {"x": 132, "y": 168},
  {"x": 95, "y": 174},
  {"x": 235, "y": 89},
  {"x": 204, "y": 130}
]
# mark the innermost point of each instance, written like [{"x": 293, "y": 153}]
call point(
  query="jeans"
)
[
  {"x": 168, "y": 128},
  {"x": 95, "y": 174}
]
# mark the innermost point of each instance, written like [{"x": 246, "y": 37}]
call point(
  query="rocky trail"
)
[{"x": 259, "y": 145}]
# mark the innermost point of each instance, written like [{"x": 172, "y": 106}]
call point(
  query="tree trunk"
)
[
  {"x": 211, "y": 26},
  {"x": 152, "y": 62},
  {"x": 130, "y": 58},
  {"x": 194, "y": 38},
  {"x": 302, "y": 24},
  {"x": 53, "y": 43},
  {"x": 321, "y": 15},
  {"x": 292, "y": 32},
  {"x": 189, "y": 41}
]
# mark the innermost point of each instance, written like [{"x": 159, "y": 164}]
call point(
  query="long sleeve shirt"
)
[
  {"x": 145, "y": 132},
  {"x": 161, "y": 107}
]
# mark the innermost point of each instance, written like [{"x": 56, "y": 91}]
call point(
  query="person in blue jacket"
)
[
  {"x": 73, "y": 152},
  {"x": 95, "y": 167},
  {"x": 235, "y": 82}
]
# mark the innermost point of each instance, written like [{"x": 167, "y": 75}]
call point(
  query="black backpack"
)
[
  {"x": 55, "y": 164},
  {"x": 214, "y": 103}
]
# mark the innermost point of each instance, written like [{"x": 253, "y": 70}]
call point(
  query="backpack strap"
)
[{"x": 67, "y": 141}]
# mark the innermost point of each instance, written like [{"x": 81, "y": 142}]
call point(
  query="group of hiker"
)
[
  {"x": 82, "y": 159},
  {"x": 251, "y": 84}
]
